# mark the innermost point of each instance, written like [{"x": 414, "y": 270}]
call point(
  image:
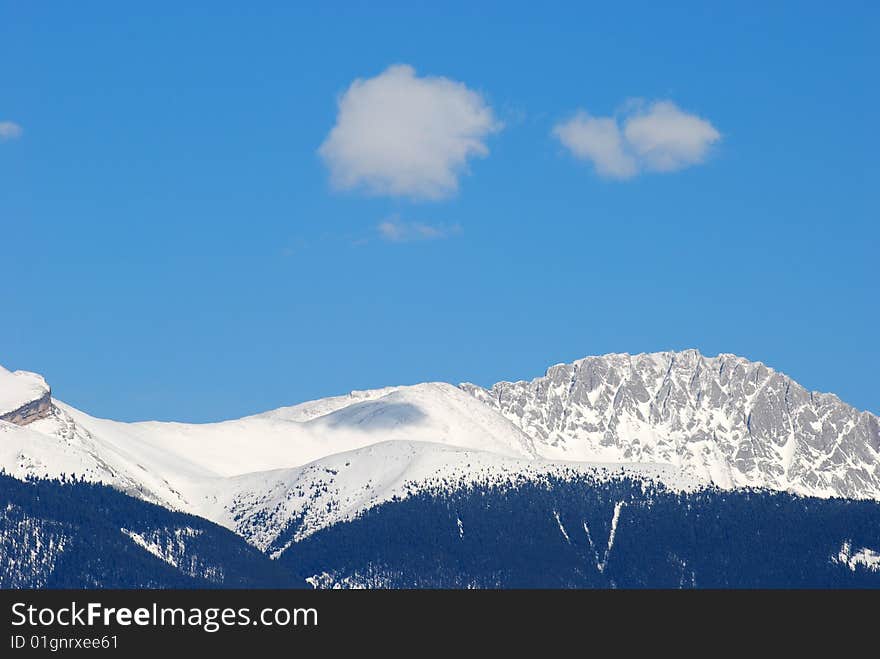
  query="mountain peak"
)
[
  {"x": 732, "y": 421},
  {"x": 24, "y": 396},
  {"x": 687, "y": 358}
]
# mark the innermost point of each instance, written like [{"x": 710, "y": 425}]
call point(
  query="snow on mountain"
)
[
  {"x": 39, "y": 545},
  {"x": 724, "y": 419},
  {"x": 865, "y": 558},
  {"x": 69, "y": 450},
  {"x": 260, "y": 505},
  {"x": 191, "y": 467},
  {"x": 433, "y": 412},
  {"x": 23, "y": 396},
  {"x": 678, "y": 418}
]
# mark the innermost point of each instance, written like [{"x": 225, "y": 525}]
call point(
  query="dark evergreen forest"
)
[
  {"x": 556, "y": 535},
  {"x": 560, "y": 533},
  {"x": 69, "y": 535}
]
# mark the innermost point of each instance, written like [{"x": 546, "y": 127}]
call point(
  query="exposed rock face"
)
[
  {"x": 736, "y": 422},
  {"x": 40, "y": 408},
  {"x": 24, "y": 397}
]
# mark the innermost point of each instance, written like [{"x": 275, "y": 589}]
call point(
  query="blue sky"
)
[{"x": 175, "y": 246}]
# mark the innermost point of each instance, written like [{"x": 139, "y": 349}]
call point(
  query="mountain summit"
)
[
  {"x": 24, "y": 397},
  {"x": 724, "y": 419}
]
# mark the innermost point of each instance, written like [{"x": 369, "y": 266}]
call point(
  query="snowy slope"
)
[
  {"x": 24, "y": 452},
  {"x": 433, "y": 412},
  {"x": 259, "y": 506},
  {"x": 192, "y": 467}
]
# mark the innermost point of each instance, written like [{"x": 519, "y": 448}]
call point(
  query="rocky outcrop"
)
[
  {"x": 25, "y": 397},
  {"x": 726, "y": 419},
  {"x": 40, "y": 408}
]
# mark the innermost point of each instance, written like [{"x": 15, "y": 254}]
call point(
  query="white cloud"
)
[
  {"x": 9, "y": 130},
  {"x": 599, "y": 140},
  {"x": 658, "y": 138},
  {"x": 401, "y": 135},
  {"x": 397, "y": 231},
  {"x": 667, "y": 139}
]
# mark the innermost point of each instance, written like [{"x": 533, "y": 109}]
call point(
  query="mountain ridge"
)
[
  {"x": 679, "y": 418},
  {"x": 759, "y": 428}
]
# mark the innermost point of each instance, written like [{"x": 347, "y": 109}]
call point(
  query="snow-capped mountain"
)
[
  {"x": 275, "y": 509},
  {"x": 275, "y": 478},
  {"x": 258, "y": 474},
  {"x": 723, "y": 419},
  {"x": 24, "y": 397}
]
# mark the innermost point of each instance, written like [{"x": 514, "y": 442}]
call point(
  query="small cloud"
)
[
  {"x": 667, "y": 139},
  {"x": 9, "y": 130},
  {"x": 599, "y": 140},
  {"x": 657, "y": 138},
  {"x": 404, "y": 136},
  {"x": 395, "y": 230}
]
